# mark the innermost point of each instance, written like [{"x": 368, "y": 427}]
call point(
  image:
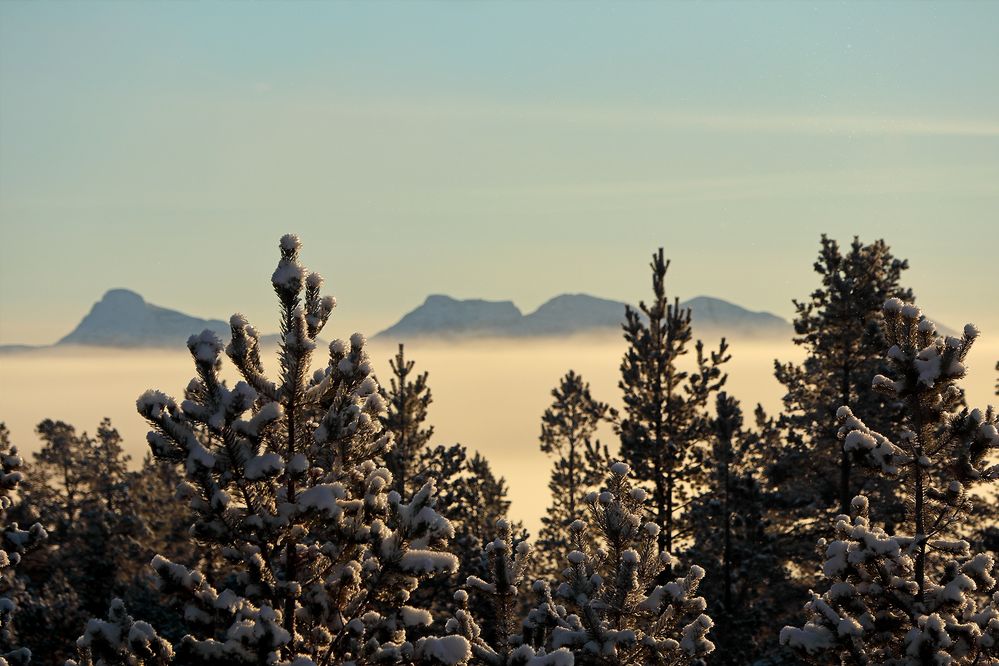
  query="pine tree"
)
[
  {"x": 609, "y": 609},
  {"x": 407, "y": 401},
  {"x": 107, "y": 466},
  {"x": 167, "y": 524},
  {"x": 121, "y": 641},
  {"x": 840, "y": 330},
  {"x": 568, "y": 431},
  {"x": 478, "y": 501},
  {"x": 473, "y": 499},
  {"x": 746, "y": 583},
  {"x": 81, "y": 490},
  {"x": 490, "y": 618},
  {"x": 468, "y": 494},
  {"x": 105, "y": 544},
  {"x": 60, "y": 473},
  {"x": 14, "y": 543},
  {"x": 665, "y": 406},
  {"x": 322, "y": 555},
  {"x": 910, "y": 600}
]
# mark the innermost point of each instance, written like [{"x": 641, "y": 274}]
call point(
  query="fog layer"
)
[{"x": 488, "y": 394}]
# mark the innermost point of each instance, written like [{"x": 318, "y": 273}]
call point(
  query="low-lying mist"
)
[{"x": 488, "y": 394}]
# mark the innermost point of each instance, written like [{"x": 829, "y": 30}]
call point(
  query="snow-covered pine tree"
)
[
  {"x": 746, "y": 583},
  {"x": 887, "y": 602},
  {"x": 407, "y": 399},
  {"x": 839, "y": 327},
  {"x": 618, "y": 604},
  {"x": 121, "y": 640},
  {"x": 568, "y": 429},
  {"x": 468, "y": 493},
  {"x": 665, "y": 407},
  {"x": 14, "y": 543},
  {"x": 490, "y": 619},
  {"x": 323, "y": 556}
]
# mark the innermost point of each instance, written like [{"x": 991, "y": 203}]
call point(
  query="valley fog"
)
[{"x": 487, "y": 394}]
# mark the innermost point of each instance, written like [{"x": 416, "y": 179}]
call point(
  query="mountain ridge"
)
[
  {"x": 565, "y": 314},
  {"x": 124, "y": 319}
]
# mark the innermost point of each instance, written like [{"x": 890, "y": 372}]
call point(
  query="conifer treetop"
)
[{"x": 284, "y": 476}]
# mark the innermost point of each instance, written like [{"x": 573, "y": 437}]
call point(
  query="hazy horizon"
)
[
  {"x": 488, "y": 394},
  {"x": 990, "y": 322}
]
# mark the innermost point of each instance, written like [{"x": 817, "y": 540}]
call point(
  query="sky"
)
[{"x": 493, "y": 150}]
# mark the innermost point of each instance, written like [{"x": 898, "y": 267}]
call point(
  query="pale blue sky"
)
[{"x": 513, "y": 150}]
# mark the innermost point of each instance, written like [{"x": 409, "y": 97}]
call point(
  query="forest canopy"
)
[{"x": 309, "y": 517}]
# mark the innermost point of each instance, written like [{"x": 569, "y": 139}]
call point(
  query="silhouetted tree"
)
[
  {"x": 839, "y": 327},
  {"x": 746, "y": 584},
  {"x": 405, "y": 417},
  {"x": 83, "y": 495},
  {"x": 665, "y": 411},
  {"x": 568, "y": 430}
]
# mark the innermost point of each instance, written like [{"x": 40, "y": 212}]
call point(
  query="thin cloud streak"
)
[
  {"x": 852, "y": 182},
  {"x": 645, "y": 118}
]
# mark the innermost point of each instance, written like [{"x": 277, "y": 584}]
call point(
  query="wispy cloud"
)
[
  {"x": 651, "y": 118},
  {"x": 965, "y": 181}
]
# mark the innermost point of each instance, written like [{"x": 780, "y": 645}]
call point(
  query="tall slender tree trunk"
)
[
  {"x": 573, "y": 485},
  {"x": 919, "y": 501},
  {"x": 291, "y": 552},
  {"x": 727, "y": 553},
  {"x": 666, "y": 535},
  {"x": 401, "y": 444},
  {"x": 291, "y": 549},
  {"x": 845, "y": 495},
  {"x": 920, "y": 531}
]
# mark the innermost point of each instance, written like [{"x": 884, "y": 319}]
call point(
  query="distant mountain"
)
[
  {"x": 122, "y": 318},
  {"x": 443, "y": 315},
  {"x": 572, "y": 313},
  {"x": 717, "y": 315},
  {"x": 568, "y": 314}
]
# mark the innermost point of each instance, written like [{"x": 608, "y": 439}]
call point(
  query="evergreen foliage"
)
[
  {"x": 839, "y": 327},
  {"x": 15, "y": 543},
  {"x": 321, "y": 555},
  {"x": 405, "y": 417},
  {"x": 887, "y": 602},
  {"x": 568, "y": 431},
  {"x": 746, "y": 583},
  {"x": 82, "y": 491},
  {"x": 307, "y": 519},
  {"x": 121, "y": 641},
  {"x": 665, "y": 407},
  {"x": 618, "y": 603},
  {"x": 469, "y": 495}
]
